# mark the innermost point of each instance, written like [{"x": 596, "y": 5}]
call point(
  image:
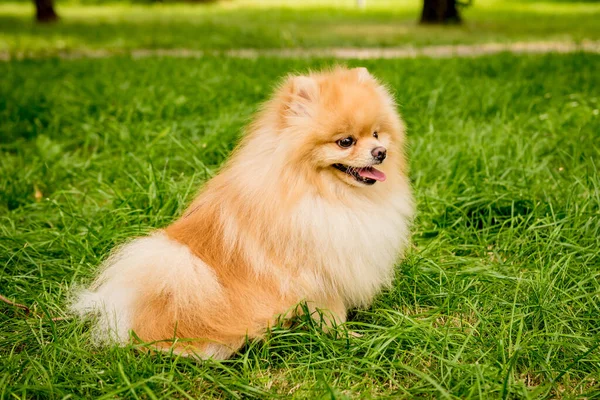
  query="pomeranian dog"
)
[{"x": 313, "y": 206}]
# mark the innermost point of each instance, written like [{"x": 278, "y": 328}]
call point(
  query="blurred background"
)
[{"x": 214, "y": 25}]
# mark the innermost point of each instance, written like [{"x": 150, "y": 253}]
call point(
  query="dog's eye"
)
[
  {"x": 346, "y": 142},
  {"x": 375, "y": 135}
]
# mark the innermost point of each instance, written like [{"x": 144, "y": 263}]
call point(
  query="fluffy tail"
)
[
  {"x": 136, "y": 271},
  {"x": 109, "y": 301}
]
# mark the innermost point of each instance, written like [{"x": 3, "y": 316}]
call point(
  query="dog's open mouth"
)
[{"x": 366, "y": 175}]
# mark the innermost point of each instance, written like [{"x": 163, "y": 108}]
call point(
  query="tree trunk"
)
[
  {"x": 440, "y": 12},
  {"x": 44, "y": 11}
]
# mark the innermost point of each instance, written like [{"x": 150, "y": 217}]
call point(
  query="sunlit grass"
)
[
  {"x": 277, "y": 24},
  {"x": 498, "y": 297}
]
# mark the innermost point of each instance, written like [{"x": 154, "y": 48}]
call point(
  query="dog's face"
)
[
  {"x": 354, "y": 151},
  {"x": 344, "y": 124}
]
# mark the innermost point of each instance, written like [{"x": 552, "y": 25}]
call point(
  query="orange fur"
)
[{"x": 270, "y": 230}]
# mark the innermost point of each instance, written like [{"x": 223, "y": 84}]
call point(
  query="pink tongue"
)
[{"x": 372, "y": 173}]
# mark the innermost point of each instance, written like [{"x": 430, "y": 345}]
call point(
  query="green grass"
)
[
  {"x": 498, "y": 298},
  {"x": 280, "y": 24}
]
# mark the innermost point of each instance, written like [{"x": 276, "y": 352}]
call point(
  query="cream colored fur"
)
[{"x": 277, "y": 226}]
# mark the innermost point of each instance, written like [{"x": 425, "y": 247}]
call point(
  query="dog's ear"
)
[
  {"x": 363, "y": 74},
  {"x": 304, "y": 93},
  {"x": 305, "y": 87}
]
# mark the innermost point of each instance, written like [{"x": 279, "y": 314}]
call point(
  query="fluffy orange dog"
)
[{"x": 299, "y": 213}]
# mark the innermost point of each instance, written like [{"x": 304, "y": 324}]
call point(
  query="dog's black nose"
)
[{"x": 379, "y": 153}]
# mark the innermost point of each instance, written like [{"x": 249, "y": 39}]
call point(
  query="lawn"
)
[
  {"x": 498, "y": 297},
  {"x": 122, "y": 26}
]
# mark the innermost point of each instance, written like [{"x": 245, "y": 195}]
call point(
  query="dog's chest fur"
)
[{"x": 352, "y": 250}]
